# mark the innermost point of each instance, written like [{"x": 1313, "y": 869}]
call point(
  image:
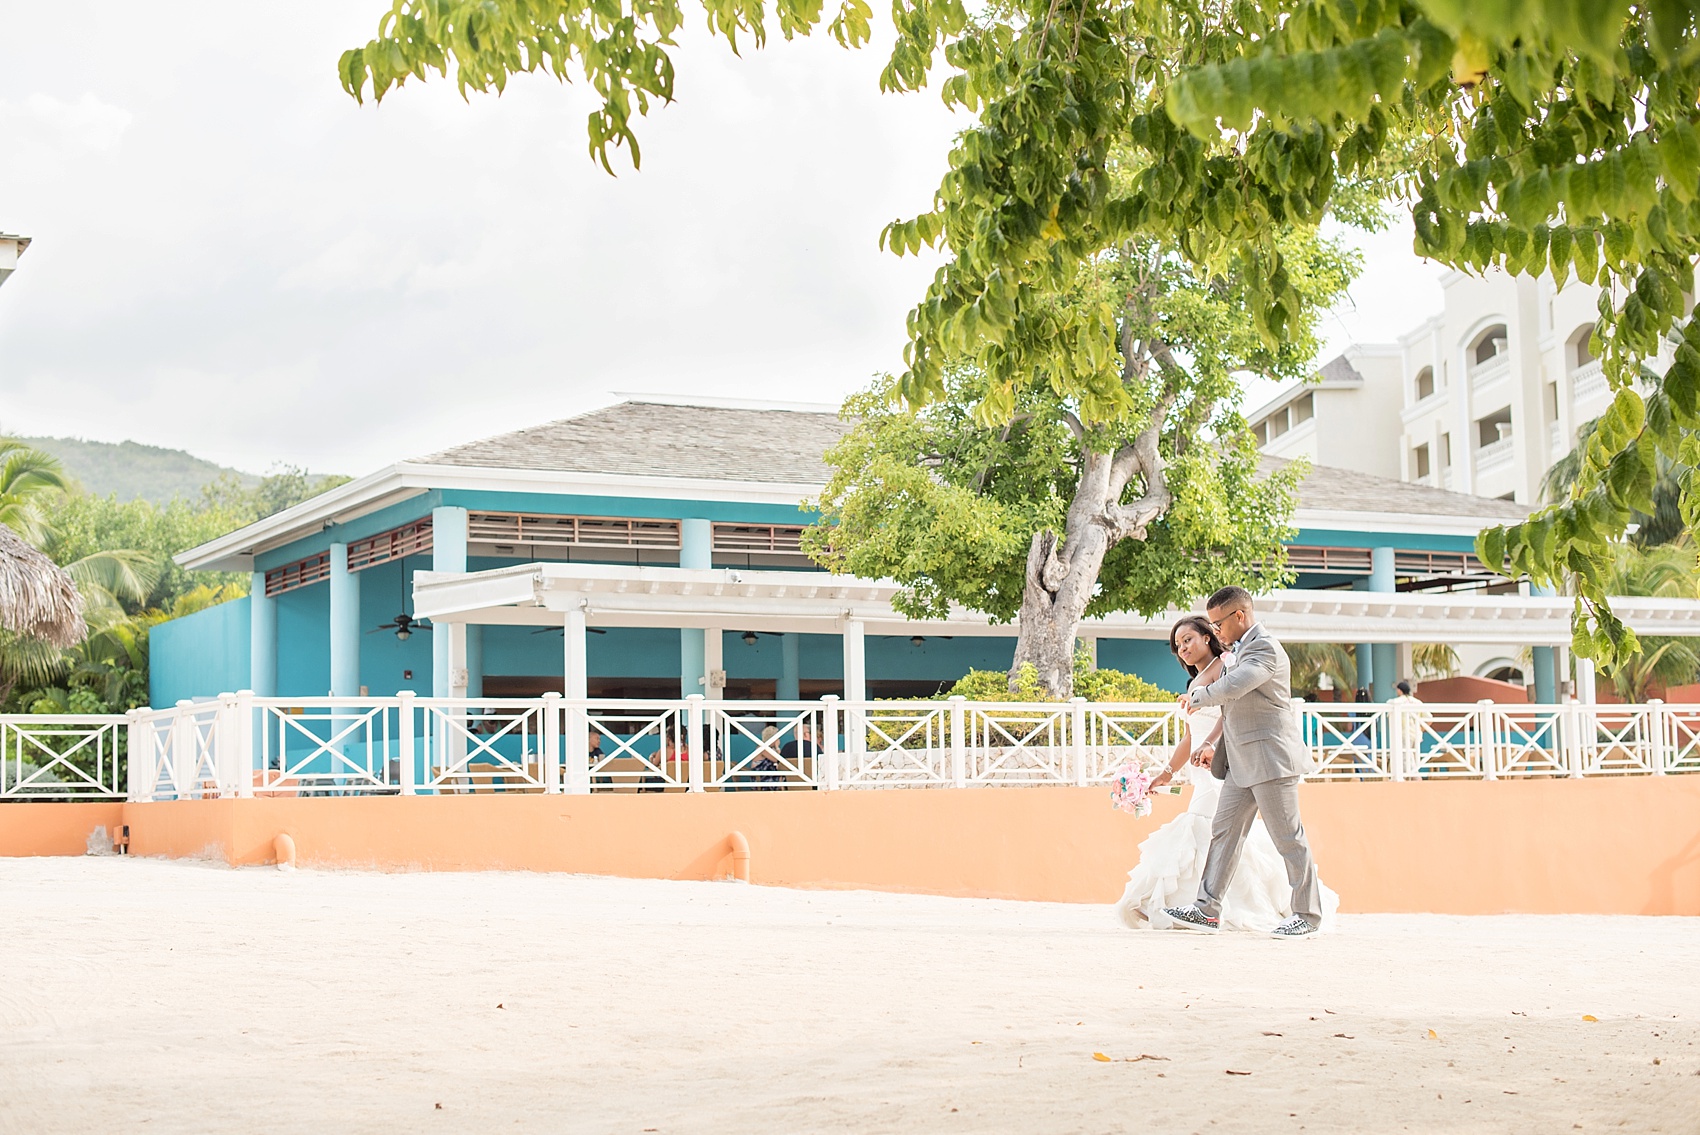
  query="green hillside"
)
[{"x": 134, "y": 471}]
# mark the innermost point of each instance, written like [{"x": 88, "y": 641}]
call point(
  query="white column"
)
[
  {"x": 262, "y": 637},
  {"x": 577, "y": 670},
  {"x": 855, "y": 662},
  {"x": 713, "y": 664},
  {"x": 1585, "y": 692},
  {"x": 345, "y": 625},
  {"x": 575, "y": 686},
  {"x": 448, "y": 554}
]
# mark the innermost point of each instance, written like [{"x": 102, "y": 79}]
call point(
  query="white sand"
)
[{"x": 172, "y": 997}]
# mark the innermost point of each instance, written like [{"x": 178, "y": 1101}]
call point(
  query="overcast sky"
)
[{"x": 232, "y": 257}]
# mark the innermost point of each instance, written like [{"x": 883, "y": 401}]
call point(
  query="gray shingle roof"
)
[
  {"x": 720, "y": 443},
  {"x": 653, "y": 439},
  {"x": 1328, "y": 489}
]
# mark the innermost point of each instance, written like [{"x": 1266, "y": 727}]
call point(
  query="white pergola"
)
[{"x": 578, "y": 596}]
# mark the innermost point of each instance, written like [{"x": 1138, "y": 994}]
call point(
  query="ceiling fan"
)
[
  {"x": 563, "y": 630},
  {"x": 404, "y": 626}
]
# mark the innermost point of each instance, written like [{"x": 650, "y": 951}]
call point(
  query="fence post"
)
[
  {"x": 1077, "y": 734},
  {"x": 224, "y": 746},
  {"x": 693, "y": 726},
  {"x": 575, "y": 745},
  {"x": 1397, "y": 713},
  {"x": 829, "y": 739},
  {"x": 182, "y": 748},
  {"x": 549, "y": 742},
  {"x": 1485, "y": 739},
  {"x": 245, "y": 744},
  {"x": 138, "y": 745},
  {"x": 1658, "y": 724},
  {"x": 958, "y": 741},
  {"x": 406, "y": 740}
]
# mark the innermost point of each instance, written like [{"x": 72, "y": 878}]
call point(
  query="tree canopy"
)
[{"x": 1558, "y": 135}]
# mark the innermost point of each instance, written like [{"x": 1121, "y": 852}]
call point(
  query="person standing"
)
[{"x": 1261, "y": 760}]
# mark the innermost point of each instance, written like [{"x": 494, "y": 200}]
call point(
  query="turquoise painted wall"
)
[{"x": 200, "y": 655}]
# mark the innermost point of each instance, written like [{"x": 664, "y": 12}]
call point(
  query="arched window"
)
[
  {"x": 1580, "y": 355},
  {"x": 1425, "y": 383},
  {"x": 1489, "y": 345}
]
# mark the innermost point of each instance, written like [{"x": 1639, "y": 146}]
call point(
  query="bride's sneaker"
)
[
  {"x": 1294, "y": 927},
  {"x": 1191, "y": 918}
]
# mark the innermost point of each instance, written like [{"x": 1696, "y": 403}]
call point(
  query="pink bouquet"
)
[{"x": 1130, "y": 791}]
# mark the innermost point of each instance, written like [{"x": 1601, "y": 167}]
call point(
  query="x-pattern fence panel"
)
[
  {"x": 62, "y": 757},
  {"x": 244, "y": 745}
]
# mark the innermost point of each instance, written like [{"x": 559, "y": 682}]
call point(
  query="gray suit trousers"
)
[{"x": 1278, "y": 802}]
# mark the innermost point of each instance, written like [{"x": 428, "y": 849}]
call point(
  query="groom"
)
[{"x": 1260, "y": 759}]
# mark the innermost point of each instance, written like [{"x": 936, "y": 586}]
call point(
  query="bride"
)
[{"x": 1171, "y": 860}]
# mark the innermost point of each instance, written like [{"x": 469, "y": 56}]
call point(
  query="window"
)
[
  {"x": 1304, "y": 409},
  {"x": 1420, "y": 460},
  {"x": 1550, "y": 399},
  {"x": 1425, "y": 383},
  {"x": 1446, "y": 451},
  {"x": 1489, "y": 345},
  {"x": 1495, "y": 427},
  {"x": 1277, "y": 424},
  {"x": 1580, "y": 353},
  {"x": 1261, "y": 430}
]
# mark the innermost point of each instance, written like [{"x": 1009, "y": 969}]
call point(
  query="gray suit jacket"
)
[{"x": 1260, "y": 735}]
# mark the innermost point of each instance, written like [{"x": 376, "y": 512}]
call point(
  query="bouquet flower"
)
[{"x": 1130, "y": 791}]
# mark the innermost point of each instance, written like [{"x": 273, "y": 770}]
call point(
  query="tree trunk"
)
[{"x": 1062, "y": 575}]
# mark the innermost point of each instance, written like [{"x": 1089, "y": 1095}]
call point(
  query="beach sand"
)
[{"x": 140, "y": 995}]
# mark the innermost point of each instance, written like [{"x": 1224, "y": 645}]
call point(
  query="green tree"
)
[
  {"x": 1011, "y": 492},
  {"x": 1536, "y": 135}
]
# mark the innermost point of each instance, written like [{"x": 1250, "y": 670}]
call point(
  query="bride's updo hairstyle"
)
[{"x": 1204, "y": 630}]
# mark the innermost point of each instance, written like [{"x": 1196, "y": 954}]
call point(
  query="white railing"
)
[
  {"x": 1587, "y": 381},
  {"x": 242, "y": 745},
  {"x": 1486, "y": 374},
  {"x": 1495, "y": 455},
  {"x": 61, "y": 757}
]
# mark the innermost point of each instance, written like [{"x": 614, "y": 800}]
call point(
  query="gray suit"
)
[{"x": 1261, "y": 758}]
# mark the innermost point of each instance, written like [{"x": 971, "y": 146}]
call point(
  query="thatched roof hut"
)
[{"x": 37, "y": 597}]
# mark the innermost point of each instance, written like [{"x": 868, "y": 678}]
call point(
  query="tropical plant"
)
[
  {"x": 1435, "y": 660},
  {"x": 1667, "y": 571},
  {"x": 1311, "y": 661},
  {"x": 1660, "y": 525},
  {"x": 29, "y": 478}
]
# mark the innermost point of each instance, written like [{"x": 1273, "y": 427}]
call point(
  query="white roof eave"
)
[{"x": 619, "y": 596}]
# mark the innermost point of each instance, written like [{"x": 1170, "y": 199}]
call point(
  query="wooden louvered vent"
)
[
  {"x": 784, "y": 539},
  {"x": 301, "y": 573},
  {"x": 571, "y": 531},
  {"x": 391, "y": 545}
]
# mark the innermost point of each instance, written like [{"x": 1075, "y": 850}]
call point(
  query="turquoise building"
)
[{"x": 650, "y": 550}]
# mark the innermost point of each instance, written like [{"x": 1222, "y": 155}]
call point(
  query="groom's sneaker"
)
[
  {"x": 1191, "y": 918},
  {"x": 1294, "y": 927}
]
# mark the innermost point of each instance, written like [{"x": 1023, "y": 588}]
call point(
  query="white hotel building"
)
[{"x": 1481, "y": 399}]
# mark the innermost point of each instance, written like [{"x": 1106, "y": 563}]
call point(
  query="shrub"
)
[{"x": 1093, "y": 685}]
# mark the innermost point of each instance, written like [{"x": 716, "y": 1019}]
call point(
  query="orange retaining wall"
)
[
  {"x": 55, "y": 829},
  {"x": 1627, "y": 845}
]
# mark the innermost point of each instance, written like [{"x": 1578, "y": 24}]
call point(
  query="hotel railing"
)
[{"x": 246, "y": 746}]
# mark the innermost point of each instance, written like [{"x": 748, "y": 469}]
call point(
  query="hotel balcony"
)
[
  {"x": 1588, "y": 381},
  {"x": 1490, "y": 373},
  {"x": 1496, "y": 455}
]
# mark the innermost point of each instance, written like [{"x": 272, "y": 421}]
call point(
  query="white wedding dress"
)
[{"x": 1171, "y": 861}]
